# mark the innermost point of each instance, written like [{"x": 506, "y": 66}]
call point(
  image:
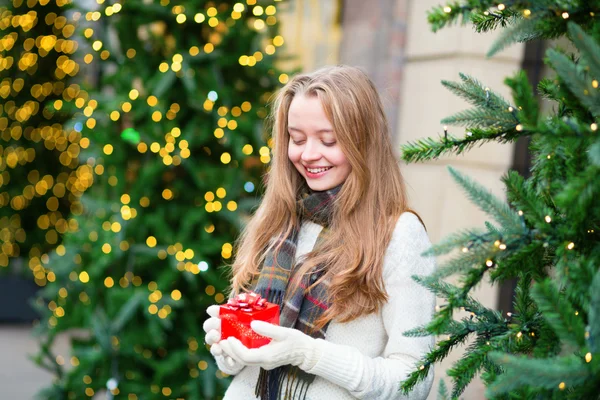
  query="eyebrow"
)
[{"x": 291, "y": 128}]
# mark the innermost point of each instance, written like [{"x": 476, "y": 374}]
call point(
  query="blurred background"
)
[{"x": 133, "y": 147}]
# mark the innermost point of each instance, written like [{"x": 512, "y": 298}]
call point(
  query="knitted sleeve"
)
[{"x": 409, "y": 305}]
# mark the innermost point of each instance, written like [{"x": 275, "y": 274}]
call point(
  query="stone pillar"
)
[
  {"x": 423, "y": 103},
  {"x": 373, "y": 38},
  {"x": 312, "y": 33}
]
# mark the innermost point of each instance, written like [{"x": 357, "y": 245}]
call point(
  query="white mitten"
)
[
  {"x": 288, "y": 346},
  {"x": 212, "y": 327}
]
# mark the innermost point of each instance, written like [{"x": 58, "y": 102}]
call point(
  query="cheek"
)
[
  {"x": 338, "y": 158},
  {"x": 294, "y": 154}
]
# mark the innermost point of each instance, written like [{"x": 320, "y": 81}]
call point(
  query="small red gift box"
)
[{"x": 237, "y": 314}]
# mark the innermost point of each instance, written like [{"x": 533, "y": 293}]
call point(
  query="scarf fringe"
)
[{"x": 271, "y": 386}]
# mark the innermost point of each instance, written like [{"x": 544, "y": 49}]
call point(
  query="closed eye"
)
[{"x": 329, "y": 144}]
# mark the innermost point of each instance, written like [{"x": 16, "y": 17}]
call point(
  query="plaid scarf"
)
[{"x": 298, "y": 310}]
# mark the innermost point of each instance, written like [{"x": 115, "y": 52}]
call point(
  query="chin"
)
[{"x": 320, "y": 186}]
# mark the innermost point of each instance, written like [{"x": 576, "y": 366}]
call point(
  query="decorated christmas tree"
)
[
  {"x": 41, "y": 177},
  {"x": 174, "y": 148},
  {"x": 546, "y": 235}
]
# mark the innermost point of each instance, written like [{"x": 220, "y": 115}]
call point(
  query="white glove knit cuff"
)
[{"x": 342, "y": 365}]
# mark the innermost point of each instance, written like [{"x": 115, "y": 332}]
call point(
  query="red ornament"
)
[{"x": 244, "y": 308}]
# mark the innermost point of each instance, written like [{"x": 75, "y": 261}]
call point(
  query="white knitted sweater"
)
[{"x": 368, "y": 357}]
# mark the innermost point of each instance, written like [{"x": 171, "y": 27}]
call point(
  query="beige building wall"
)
[{"x": 423, "y": 103}]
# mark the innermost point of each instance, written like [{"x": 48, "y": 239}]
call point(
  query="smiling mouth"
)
[{"x": 317, "y": 170}]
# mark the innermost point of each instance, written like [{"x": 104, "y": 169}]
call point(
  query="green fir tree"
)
[
  {"x": 38, "y": 152},
  {"x": 546, "y": 236},
  {"x": 174, "y": 147}
]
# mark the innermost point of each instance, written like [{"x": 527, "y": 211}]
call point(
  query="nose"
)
[{"x": 310, "y": 152}]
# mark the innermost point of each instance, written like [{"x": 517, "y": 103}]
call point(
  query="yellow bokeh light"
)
[
  {"x": 151, "y": 241},
  {"x": 84, "y": 277},
  {"x": 133, "y": 94},
  {"x": 278, "y": 40},
  {"x": 109, "y": 282},
  {"x": 152, "y": 101},
  {"x": 221, "y": 193},
  {"x": 108, "y": 149},
  {"x": 225, "y": 158},
  {"x": 219, "y": 133},
  {"x": 199, "y": 18},
  {"x": 176, "y": 295},
  {"x": 97, "y": 45},
  {"x": 247, "y": 149},
  {"x": 167, "y": 194}
]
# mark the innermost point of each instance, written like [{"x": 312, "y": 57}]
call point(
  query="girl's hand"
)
[
  {"x": 212, "y": 327},
  {"x": 288, "y": 346}
]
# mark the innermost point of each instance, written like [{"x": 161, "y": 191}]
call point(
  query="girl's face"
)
[{"x": 313, "y": 148}]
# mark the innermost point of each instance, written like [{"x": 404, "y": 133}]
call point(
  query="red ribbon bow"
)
[{"x": 247, "y": 302}]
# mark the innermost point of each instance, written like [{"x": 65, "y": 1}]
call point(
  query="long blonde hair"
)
[{"x": 367, "y": 206}]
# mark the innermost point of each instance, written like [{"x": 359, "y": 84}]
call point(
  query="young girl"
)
[{"x": 334, "y": 244}]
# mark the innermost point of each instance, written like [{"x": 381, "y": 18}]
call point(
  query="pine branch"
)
[
  {"x": 487, "y": 202},
  {"x": 441, "y": 351},
  {"x": 488, "y": 20},
  {"x": 443, "y": 391},
  {"x": 476, "y": 93},
  {"x": 524, "y": 98},
  {"x": 559, "y": 313},
  {"x": 541, "y": 373},
  {"x": 522, "y": 31},
  {"x": 465, "y": 369},
  {"x": 594, "y": 153},
  {"x": 521, "y": 195},
  {"x": 465, "y": 261},
  {"x": 442, "y": 16},
  {"x": 593, "y": 338},
  {"x": 578, "y": 85},
  {"x": 588, "y": 48},
  {"x": 467, "y": 237},
  {"x": 483, "y": 118}
]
